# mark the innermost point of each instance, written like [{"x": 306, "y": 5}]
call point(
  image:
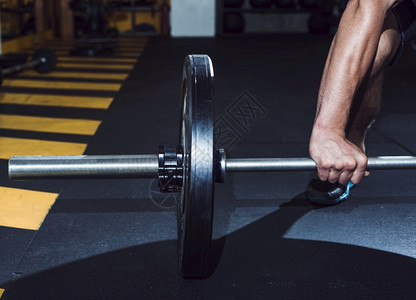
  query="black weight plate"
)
[
  {"x": 195, "y": 206},
  {"x": 47, "y": 59}
]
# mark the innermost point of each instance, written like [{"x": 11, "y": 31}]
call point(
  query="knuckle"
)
[
  {"x": 339, "y": 165},
  {"x": 362, "y": 161},
  {"x": 326, "y": 164},
  {"x": 365, "y": 160},
  {"x": 350, "y": 164}
]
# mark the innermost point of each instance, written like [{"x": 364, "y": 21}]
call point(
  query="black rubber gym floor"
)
[{"x": 116, "y": 239}]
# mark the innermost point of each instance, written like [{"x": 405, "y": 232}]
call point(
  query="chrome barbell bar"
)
[{"x": 146, "y": 166}]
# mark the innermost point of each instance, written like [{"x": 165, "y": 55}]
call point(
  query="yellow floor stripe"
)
[
  {"x": 116, "y": 54},
  {"x": 1, "y": 292},
  {"x": 94, "y": 66},
  {"x": 128, "y": 54},
  {"x": 55, "y": 100},
  {"x": 97, "y": 59},
  {"x": 43, "y": 124},
  {"x": 133, "y": 48},
  {"x": 22, "y": 147},
  {"x": 24, "y": 209},
  {"x": 83, "y": 75},
  {"x": 139, "y": 47},
  {"x": 61, "y": 85},
  {"x": 69, "y": 48},
  {"x": 121, "y": 40}
]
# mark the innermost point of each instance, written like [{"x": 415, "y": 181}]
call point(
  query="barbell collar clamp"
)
[{"x": 170, "y": 159}]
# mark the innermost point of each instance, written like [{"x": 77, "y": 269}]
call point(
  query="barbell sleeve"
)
[
  {"x": 307, "y": 164},
  {"x": 21, "y": 67},
  {"x": 81, "y": 166}
]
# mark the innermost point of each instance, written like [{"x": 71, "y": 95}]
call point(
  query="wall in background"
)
[
  {"x": 191, "y": 18},
  {"x": 139, "y": 18}
]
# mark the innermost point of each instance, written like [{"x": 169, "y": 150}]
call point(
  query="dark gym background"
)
[{"x": 116, "y": 239}]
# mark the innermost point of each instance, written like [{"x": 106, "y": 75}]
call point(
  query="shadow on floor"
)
[{"x": 254, "y": 262}]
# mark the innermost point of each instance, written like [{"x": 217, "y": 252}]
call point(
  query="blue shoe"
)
[{"x": 326, "y": 193}]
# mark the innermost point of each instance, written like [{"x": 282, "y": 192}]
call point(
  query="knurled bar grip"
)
[
  {"x": 146, "y": 166},
  {"x": 307, "y": 164}
]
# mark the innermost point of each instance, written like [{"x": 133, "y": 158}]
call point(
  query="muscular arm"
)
[
  {"x": 350, "y": 57},
  {"x": 351, "y": 54}
]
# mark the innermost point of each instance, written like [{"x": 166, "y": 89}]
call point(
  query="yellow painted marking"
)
[
  {"x": 128, "y": 54},
  {"x": 136, "y": 48},
  {"x": 61, "y": 85},
  {"x": 128, "y": 46},
  {"x": 56, "y": 47},
  {"x": 23, "y": 147},
  {"x": 83, "y": 75},
  {"x": 24, "y": 209},
  {"x": 130, "y": 50},
  {"x": 1, "y": 292},
  {"x": 115, "y": 55},
  {"x": 54, "y": 100},
  {"x": 43, "y": 124},
  {"x": 133, "y": 39},
  {"x": 94, "y": 66},
  {"x": 95, "y": 59},
  {"x": 121, "y": 41}
]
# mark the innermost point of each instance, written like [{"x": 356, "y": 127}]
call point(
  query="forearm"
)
[{"x": 350, "y": 57}]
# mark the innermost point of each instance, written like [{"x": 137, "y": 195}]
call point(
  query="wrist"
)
[{"x": 320, "y": 128}]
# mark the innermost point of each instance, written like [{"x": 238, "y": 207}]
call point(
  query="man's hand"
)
[{"x": 337, "y": 159}]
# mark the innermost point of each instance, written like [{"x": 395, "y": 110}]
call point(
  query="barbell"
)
[
  {"x": 43, "y": 61},
  {"x": 189, "y": 169}
]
